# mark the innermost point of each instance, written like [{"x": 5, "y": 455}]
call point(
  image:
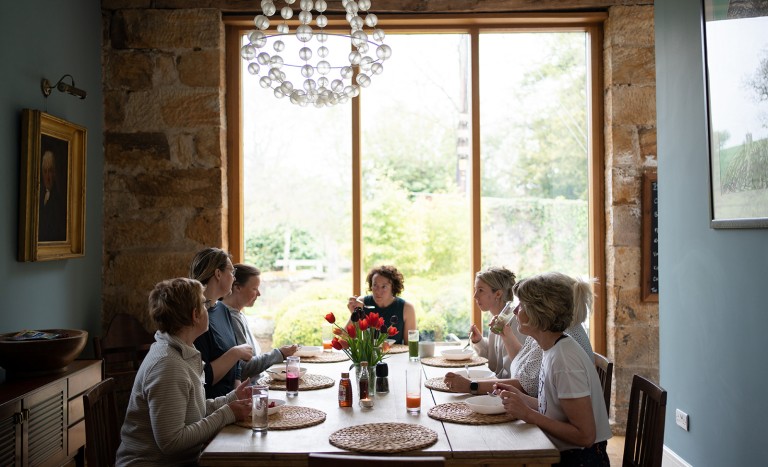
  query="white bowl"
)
[
  {"x": 485, "y": 404},
  {"x": 309, "y": 351},
  {"x": 457, "y": 354},
  {"x": 278, "y": 403},
  {"x": 476, "y": 374},
  {"x": 277, "y": 372}
]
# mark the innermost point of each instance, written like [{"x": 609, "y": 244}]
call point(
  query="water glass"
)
[
  {"x": 413, "y": 344},
  {"x": 292, "y": 374},
  {"x": 413, "y": 388},
  {"x": 504, "y": 317},
  {"x": 260, "y": 408},
  {"x": 326, "y": 332}
]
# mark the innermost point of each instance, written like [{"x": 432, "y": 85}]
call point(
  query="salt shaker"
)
[{"x": 382, "y": 382}]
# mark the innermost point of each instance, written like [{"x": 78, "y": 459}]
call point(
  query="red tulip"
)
[
  {"x": 336, "y": 344},
  {"x": 380, "y": 323},
  {"x": 344, "y": 344},
  {"x": 373, "y": 317},
  {"x": 392, "y": 331},
  {"x": 330, "y": 317},
  {"x": 351, "y": 330},
  {"x": 337, "y": 331},
  {"x": 363, "y": 323}
]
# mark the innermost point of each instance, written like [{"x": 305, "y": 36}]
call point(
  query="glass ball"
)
[
  {"x": 363, "y": 80},
  {"x": 377, "y": 68},
  {"x": 371, "y": 20},
  {"x": 355, "y": 57},
  {"x": 383, "y": 51},
  {"x": 364, "y": 5},
  {"x": 323, "y": 82},
  {"x": 307, "y": 71},
  {"x": 265, "y": 82},
  {"x": 349, "y": 17},
  {"x": 309, "y": 84},
  {"x": 287, "y": 13},
  {"x": 269, "y": 9},
  {"x": 286, "y": 87},
  {"x": 274, "y": 74},
  {"x": 323, "y": 67},
  {"x": 279, "y": 46},
  {"x": 356, "y": 23},
  {"x": 363, "y": 48},
  {"x": 322, "y": 51},
  {"x": 322, "y": 21},
  {"x": 278, "y": 93},
  {"x": 359, "y": 37},
  {"x": 321, "y": 5},
  {"x": 290, "y": 2},
  {"x": 305, "y": 53},
  {"x": 379, "y": 35},
  {"x": 306, "y": 5},
  {"x": 321, "y": 36},
  {"x": 304, "y": 33},
  {"x": 305, "y": 17},
  {"x": 276, "y": 61},
  {"x": 257, "y": 38},
  {"x": 247, "y": 52},
  {"x": 337, "y": 85},
  {"x": 283, "y": 28},
  {"x": 346, "y": 72},
  {"x": 351, "y": 8},
  {"x": 365, "y": 63},
  {"x": 253, "y": 68},
  {"x": 261, "y": 22},
  {"x": 263, "y": 58}
]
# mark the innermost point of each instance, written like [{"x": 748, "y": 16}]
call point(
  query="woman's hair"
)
[
  {"x": 553, "y": 301},
  {"x": 206, "y": 262},
  {"x": 244, "y": 272},
  {"x": 499, "y": 278},
  {"x": 172, "y": 302},
  {"x": 391, "y": 273}
]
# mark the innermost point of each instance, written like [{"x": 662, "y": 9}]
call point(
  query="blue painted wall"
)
[
  {"x": 713, "y": 307},
  {"x": 48, "y": 39}
]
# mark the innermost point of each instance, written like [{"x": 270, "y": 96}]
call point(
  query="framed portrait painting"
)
[
  {"x": 736, "y": 71},
  {"x": 52, "y": 188}
]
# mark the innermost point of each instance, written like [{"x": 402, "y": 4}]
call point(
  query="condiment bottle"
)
[
  {"x": 363, "y": 382},
  {"x": 382, "y": 382},
  {"x": 345, "y": 391}
]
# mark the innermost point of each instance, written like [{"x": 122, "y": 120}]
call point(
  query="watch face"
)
[{"x": 473, "y": 386}]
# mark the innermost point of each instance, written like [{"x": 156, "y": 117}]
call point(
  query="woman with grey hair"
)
[{"x": 569, "y": 407}]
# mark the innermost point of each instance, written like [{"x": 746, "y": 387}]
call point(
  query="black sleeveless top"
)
[{"x": 394, "y": 309}]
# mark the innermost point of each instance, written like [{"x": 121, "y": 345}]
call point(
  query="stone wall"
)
[{"x": 165, "y": 192}]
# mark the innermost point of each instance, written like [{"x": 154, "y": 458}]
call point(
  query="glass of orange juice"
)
[
  {"x": 413, "y": 387},
  {"x": 327, "y": 335}
]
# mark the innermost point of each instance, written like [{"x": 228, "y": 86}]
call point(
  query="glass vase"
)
[{"x": 371, "y": 380}]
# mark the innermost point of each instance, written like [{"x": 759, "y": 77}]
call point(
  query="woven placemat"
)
[
  {"x": 383, "y": 437},
  {"x": 398, "y": 348},
  {"x": 326, "y": 357},
  {"x": 437, "y": 384},
  {"x": 459, "y": 412},
  {"x": 291, "y": 417},
  {"x": 444, "y": 362},
  {"x": 307, "y": 382}
]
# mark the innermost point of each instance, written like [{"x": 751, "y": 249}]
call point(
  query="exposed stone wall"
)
[{"x": 165, "y": 193}]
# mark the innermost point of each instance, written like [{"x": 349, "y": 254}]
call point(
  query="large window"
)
[{"x": 474, "y": 148}]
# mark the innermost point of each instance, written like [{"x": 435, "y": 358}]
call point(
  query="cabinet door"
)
[
  {"x": 10, "y": 434},
  {"x": 45, "y": 432}
]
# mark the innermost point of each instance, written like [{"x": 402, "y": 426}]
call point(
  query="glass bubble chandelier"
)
[{"x": 309, "y": 76}]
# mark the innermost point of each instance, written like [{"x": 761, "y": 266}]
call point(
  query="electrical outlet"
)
[{"x": 681, "y": 418}]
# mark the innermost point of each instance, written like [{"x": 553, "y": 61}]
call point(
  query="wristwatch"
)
[{"x": 473, "y": 387}]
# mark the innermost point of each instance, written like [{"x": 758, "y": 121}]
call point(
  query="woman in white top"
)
[{"x": 569, "y": 407}]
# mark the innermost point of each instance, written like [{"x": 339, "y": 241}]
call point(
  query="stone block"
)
[
  {"x": 627, "y": 269},
  {"x": 633, "y": 105},
  {"x": 143, "y": 113},
  {"x": 165, "y": 72},
  {"x": 191, "y": 109},
  {"x": 205, "y": 227},
  {"x": 202, "y": 68},
  {"x": 625, "y": 225},
  {"x": 621, "y": 142},
  {"x": 624, "y": 187},
  {"x": 149, "y": 29},
  {"x": 139, "y": 271},
  {"x": 634, "y": 346},
  {"x": 193, "y": 188},
  {"x": 630, "y": 65},
  {"x": 631, "y": 26},
  {"x": 128, "y": 150},
  {"x": 129, "y": 71},
  {"x": 647, "y": 138},
  {"x": 202, "y": 147},
  {"x": 114, "y": 109},
  {"x": 142, "y": 230}
]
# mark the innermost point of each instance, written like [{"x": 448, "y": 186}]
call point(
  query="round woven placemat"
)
[
  {"x": 459, "y": 412},
  {"x": 437, "y": 384},
  {"x": 291, "y": 417},
  {"x": 444, "y": 362},
  {"x": 383, "y": 437},
  {"x": 326, "y": 357},
  {"x": 398, "y": 348},
  {"x": 307, "y": 382}
]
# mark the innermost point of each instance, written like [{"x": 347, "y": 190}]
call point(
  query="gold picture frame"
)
[{"x": 52, "y": 188}]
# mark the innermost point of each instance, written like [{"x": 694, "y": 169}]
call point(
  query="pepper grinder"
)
[{"x": 382, "y": 383}]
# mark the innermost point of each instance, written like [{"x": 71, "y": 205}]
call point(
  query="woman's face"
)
[
  {"x": 248, "y": 293},
  {"x": 486, "y": 298},
  {"x": 381, "y": 287},
  {"x": 522, "y": 319},
  {"x": 220, "y": 285}
]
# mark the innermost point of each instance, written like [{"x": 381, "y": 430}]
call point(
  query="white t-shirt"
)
[{"x": 568, "y": 373}]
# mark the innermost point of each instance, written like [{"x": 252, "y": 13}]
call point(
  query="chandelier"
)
[{"x": 300, "y": 64}]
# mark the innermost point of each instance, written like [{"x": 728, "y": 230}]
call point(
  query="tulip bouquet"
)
[{"x": 363, "y": 339}]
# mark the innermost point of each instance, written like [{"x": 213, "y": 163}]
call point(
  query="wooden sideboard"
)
[{"x": 41, "y": 417}]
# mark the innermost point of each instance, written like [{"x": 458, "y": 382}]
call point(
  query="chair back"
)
[
  {"x": 342, "y": 460},
  {"x": 605, "y": 372},
  {"x": 644, "y": 440},
  {"x": 102, "y": 427}
]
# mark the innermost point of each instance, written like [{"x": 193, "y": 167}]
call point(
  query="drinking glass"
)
[
  {"x": 326, "y": 332},
  {"x": 504, "y": 317},
  {"x": 413, "y": 344},
  {"x": 292, "y": 374},
  {"x": 413, "y": 388},
  {"x": 260, "y": 408}
]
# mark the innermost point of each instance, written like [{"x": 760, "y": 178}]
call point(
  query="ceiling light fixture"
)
[{"x": 315, "y": 75}]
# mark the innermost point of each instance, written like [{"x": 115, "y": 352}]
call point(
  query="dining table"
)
[{"x": 510, "y": 443}]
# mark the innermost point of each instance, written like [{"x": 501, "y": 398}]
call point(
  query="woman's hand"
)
[
  {"x": 243, "y": 390},
  {"x": 288, "y": 350},
  {"x": 354, "y": 302},
  {"x": 241, "y": 409},
  {"x": 475, "y": 335},
  {"x": 456, "y": 383},
  {"x": 243, "y": 352}
]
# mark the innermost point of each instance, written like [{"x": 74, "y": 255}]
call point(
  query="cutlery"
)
[
  {"x": 469, "y": 341},
  {"x": 466, "y": 368},
  {"x": 493, "y": 394}
]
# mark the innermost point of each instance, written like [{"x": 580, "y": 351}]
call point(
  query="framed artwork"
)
[
  {"x": 736, "y": 72},
  {"x": 52, "y": 188},
  {"x": 650, "y": 238}
]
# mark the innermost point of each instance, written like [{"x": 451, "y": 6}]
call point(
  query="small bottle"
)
[
  {"x": 345, "y": 391},
  {"x": 382, "y": 382},
  {"x": 363, "y": 383}
]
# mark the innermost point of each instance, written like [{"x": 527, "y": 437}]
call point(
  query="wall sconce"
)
[{"x": 63, "y": 87}]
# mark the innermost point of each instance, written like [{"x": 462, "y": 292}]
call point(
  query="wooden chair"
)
[
  {"x": 122, "y": 348},
  {"x": 102, "y": 427},
  {"x": 605, "y": 372},
  {"x": 644, "y": 440},
  {"x": 340, "y": 460}
]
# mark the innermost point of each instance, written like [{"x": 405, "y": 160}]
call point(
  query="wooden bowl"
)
[{"x": 33, "y": 357}]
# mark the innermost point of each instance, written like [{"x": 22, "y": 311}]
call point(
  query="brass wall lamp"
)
[{"x": 63, "y": 87}]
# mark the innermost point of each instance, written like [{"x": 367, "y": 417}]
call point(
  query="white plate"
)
[
  {"x": 457, "y": 354},
  {"x": 309, "y": 351},
  {"x": 278, "y": 403},
  {"x": 476, "y": 374},
  {"x": 277, "y": 372},
  {"x": 485, "y": 404}
]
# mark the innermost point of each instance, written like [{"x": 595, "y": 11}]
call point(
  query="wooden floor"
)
[{"x": 616, "y": 450}]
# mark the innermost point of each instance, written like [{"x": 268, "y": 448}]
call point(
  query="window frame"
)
[{"x": 590, "y": 23}]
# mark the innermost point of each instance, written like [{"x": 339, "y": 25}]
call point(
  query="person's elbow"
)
[{"x": 586, "y": 438}]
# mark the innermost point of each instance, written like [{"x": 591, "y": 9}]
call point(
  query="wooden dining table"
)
[{"x": 512, "y": 443}]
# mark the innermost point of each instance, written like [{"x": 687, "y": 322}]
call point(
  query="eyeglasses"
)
[
  {"x": 518, "y": 309},
  {"x": 234, "y": 271}
]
